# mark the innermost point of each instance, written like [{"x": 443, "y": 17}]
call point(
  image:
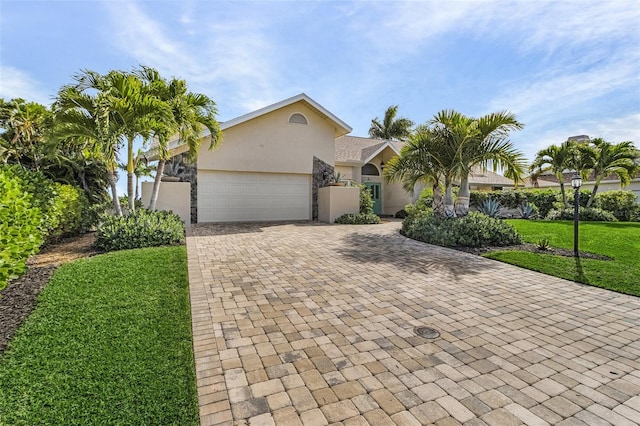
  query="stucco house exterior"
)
[
  {"x": 273, "y": 162},
  {"x": 269, "y": 166}
]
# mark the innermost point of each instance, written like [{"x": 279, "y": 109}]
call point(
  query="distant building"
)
[{"x": 579, "y": 138}]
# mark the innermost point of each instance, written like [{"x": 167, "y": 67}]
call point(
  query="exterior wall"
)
[
  {"x": 189, "y": 174},
  {"x": 173, "y": 196},
  {"x": 334, "y": 201},
  {"x": 348, "y": 172},
  {"x": 394, "y": 198},
  {"x": 322, "y": 173},
  {"x": 269, "y": 143}
]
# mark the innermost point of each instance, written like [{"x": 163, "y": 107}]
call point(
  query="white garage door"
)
[{"x": 243, "y": 197}]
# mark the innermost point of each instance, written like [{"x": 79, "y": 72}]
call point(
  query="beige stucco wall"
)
[
  {"x": 173, "y": 196},
  {"x": 334, "y": 201},
  {"x": 394, "y": 198},
  {"x": 269, "y": 143}
]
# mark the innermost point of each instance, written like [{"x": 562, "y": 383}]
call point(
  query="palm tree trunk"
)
[
  {"x": 592, "y": 197},
  {"x": 137, "y": 186},
  {"x": 130, "y": 190},
  {"x": 462, "y": 202},
  {"x": 114, "y": 192},
  {"x": 438, "y": 205},
  {"x": 156, "y": 185},
  {"x": 564, "y": 195},
  {"x": 449, "y": 208}
]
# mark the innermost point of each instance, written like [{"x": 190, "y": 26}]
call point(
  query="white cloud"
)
[
  {"x": 233, "y": 56},
  {"x": 15, "y": 83}
]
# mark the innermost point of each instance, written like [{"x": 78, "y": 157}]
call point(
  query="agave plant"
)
[
  {"x": 527, "y": 211},
  {"x": 490, "y": 207}
]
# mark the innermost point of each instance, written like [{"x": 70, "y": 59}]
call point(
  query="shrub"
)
[
  {"x": 543, "y": 244},
  {"x": 542, "y": 198},
  {"x": 64, "y": 208},
  {"x": 474, "y": 230},
  {"x": 366, "y": 202},
  {"x": 20, "y": 236},
  {"x": 401, "y": 214},
  {"x": 621, "y": 203},
  {"x": 490, "y": 207},
  {"x": 142, "y": 228},
  {"x": 585, "y": 213},
  {"x": 527, "y": 211},
  {"x": 358, "y": 219}
]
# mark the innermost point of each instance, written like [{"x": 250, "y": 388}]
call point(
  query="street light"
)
[{"x": 576, "y": 183}]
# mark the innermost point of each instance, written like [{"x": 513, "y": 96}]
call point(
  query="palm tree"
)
[
  {"x": 484, "y": 144},
  {"x": 135, "y": 110},
  {"x": 391, "y": 128},
  {"x": 448, "y": 146},
  {"x": 425, "y": 159},
  {"x": 620, "y": 159},
  {"x": 190, "y": 114},
  {"x": 82, "y": 119},
  {"x": 24, "y": 124},
  {"x": 555, "y": 159}
]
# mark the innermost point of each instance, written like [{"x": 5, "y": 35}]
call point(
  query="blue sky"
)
[{"x": 563, "y": 67}]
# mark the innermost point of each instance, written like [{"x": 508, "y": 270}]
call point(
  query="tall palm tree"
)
[
  {"x": 485, "y": 144},
  {"x": 190, "y": 114},
  {"x": 391, "y": 128},
  {"x": 426, "y": 158},
  {"x": 620, "y": 159},
  {"x": 136, "y": 111},
  {"x": 82, "y": 119},
  {"x": 555, "y": 159}
]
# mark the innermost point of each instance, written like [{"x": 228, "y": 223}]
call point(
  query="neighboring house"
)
[
  {"x": 612, "y": 182},
  {"x": 272, "y": 162}
]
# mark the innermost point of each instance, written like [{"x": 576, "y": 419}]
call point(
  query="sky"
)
[{"x": 564, "y": 68}]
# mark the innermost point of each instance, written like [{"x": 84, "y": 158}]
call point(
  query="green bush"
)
[
  {"x": 64, "y": 208},
  {"x": 622, "y": 204},
  {"x": 589, "y": 214},
  {"x": 358, "y": 219},
  {"x": 366, "y": 202},
  {"x": 473, "y": 230},
  {"x": 541, "y": 198},
  {"x": 142, "y": 228},
  {"x": 20, "y": 236}
]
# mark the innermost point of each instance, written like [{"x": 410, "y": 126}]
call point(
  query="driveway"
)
[{"x": 316, "y": 324}]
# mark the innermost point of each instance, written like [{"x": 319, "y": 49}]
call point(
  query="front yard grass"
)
[
  {"x": 618, "y": 240},
  {"x": 109, "y": 342}
]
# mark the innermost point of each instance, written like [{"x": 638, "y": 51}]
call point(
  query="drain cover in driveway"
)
[{"x": 426, "y": 332}]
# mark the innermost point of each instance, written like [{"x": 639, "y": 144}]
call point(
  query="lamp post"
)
[{"x": 576, "y": 183}]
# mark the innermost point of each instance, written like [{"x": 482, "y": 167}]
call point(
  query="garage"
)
[{"x": 246, "y": 197}]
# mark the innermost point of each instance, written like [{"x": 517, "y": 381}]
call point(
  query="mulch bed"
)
[
  {"x": 529, "y": 247},
  {"x": 18, "y": 299}
]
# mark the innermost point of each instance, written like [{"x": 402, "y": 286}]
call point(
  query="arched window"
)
[
  {"x": 370, "y": 170},
  {"x": 298, "y": 118}
]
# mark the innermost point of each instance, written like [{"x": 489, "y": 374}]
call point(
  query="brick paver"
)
[{"x": 312, "y": 324}]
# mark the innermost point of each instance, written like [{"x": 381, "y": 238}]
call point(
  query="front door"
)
[{"x": 375, "y": 188}]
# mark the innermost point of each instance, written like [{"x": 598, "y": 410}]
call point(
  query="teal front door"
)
[{"x": 376, "y": 195}]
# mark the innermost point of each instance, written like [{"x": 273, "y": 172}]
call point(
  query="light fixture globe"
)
[{"x": 576, "y": 181}]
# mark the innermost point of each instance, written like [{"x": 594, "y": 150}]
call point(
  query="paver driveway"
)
[{"x": 314, "y": 324}]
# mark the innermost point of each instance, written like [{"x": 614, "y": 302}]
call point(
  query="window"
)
[
  {"x": 370, "y": 170},
  {"x": 298, "y": 118}
]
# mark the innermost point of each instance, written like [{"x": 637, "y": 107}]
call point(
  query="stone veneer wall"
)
[
  {"x": 189, "y": 173},
  {"x": 322, "y": 173}
]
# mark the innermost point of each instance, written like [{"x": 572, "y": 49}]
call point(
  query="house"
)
[
  {"x": 269, "y": 166},
  {"x": 610, "y": 183},
  {"x": 272, "y": 163}
]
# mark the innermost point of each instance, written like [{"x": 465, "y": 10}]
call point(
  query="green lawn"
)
[
  {"x": 618, "y": 240},
  {"x": 108, "y": 343}
]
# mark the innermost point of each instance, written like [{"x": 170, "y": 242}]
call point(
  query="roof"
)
[
  {"x": 342, "y": 128},
  {"x": 350, "y": 149},
  {"x": 477, "y": 176}
]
